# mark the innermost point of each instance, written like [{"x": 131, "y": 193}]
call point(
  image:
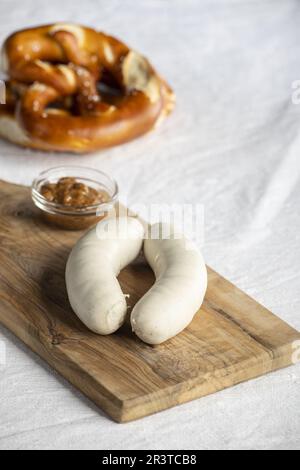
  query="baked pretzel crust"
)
[{"x": 73, "y": 89}]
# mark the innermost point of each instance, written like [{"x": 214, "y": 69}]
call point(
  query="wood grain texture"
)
[{"x": 232, "y": 339}]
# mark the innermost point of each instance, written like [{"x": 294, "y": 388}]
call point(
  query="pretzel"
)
[{"x": 74, "y": 89}]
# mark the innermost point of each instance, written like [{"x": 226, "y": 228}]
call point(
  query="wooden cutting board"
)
[{"x": 232, "y": 338}]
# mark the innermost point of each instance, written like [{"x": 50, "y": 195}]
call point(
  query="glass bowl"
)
[{"x": 75, "y": 217}]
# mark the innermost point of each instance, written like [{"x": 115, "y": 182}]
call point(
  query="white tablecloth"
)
[{"x": 233, "y": 145}]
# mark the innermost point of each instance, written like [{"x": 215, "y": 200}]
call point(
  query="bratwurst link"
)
[{"x": 71, "y": 88}]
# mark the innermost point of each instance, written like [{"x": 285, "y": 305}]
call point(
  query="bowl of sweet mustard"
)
[{"x": 74, "y": 198}]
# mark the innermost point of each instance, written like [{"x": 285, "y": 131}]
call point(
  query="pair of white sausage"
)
[{"x": 165, "y": 310}]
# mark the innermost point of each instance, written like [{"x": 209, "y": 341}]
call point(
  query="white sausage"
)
[
  {"x": 181, "y": 282},
  {"x": 92, "y": 269}
]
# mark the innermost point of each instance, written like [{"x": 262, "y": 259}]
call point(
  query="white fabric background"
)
[{"x": 233, "y": 144}]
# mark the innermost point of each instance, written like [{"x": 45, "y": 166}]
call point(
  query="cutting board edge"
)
[
  {"x": 131, "y": 409},
  {"x": 252, "y": 299},
  {"x": 124, "y": 411}
]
